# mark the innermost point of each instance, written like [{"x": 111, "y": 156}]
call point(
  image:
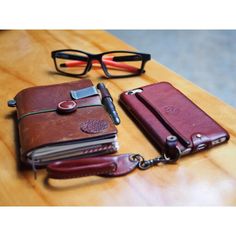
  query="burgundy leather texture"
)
[
  {"x": 162, "y": 110},
  {"x": 107, "y": 166},
  {"x": 54, "y": 127}
]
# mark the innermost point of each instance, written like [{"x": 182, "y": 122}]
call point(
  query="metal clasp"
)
[
  {"x": 146, "y": 164},
  {"x": 149, "y": 163}
]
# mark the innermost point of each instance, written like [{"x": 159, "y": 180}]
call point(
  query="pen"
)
[{"x": 107, "y": 101}]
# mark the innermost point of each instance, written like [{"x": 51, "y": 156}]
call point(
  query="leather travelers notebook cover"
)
[
  {"x": 162, "y": 110},
  {"x": 49, "y": 134}
]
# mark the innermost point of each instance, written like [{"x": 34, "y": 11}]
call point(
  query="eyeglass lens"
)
[{"x": 71, "y": 62}]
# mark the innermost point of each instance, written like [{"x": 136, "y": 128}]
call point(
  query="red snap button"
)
[{"x": 66, "y": 106}]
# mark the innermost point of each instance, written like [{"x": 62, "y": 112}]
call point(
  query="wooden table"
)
[{"x": 206, "y": 178}]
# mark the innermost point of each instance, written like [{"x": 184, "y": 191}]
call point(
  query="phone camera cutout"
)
[{"x": 132, "y": 92}]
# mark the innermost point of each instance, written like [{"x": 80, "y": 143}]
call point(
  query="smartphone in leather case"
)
[{"x": 162, "y": 110}]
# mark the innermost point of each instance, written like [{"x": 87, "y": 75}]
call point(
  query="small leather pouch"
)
[{"x": 162, "y": 110}]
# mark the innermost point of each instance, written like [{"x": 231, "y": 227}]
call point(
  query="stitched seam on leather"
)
[
  {"x": 108, "y": 147},
  {"x": 105, "y": 171}
]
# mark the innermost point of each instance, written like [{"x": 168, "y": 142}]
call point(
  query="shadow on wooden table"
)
[
  {"x": 100, "y": 76},
  {"x": 71, "y": 184},
  {"x": 52, "y": 73}
]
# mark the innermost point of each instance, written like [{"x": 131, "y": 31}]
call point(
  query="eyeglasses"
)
[{"x": 115, "y": 64}]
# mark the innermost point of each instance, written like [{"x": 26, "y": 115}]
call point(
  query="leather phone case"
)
[
  {"x": 162, "y": 110},
  {"x": 39, "y": 129}
]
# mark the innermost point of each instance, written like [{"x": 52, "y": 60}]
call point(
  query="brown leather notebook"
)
[
  {"x": 162, "y": 111},
  {"x": 56, "y": 124}
]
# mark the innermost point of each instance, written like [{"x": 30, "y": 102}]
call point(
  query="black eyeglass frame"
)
[{"x": 144, "y": 57}]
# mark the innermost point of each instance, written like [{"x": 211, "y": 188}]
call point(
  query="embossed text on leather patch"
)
[
  {"x": 171, "y": 109},
  {"x": 94, "y": 126}
]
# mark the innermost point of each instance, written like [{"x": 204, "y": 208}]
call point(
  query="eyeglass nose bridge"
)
[
  {"x": 92, "y": 59},
  {"x": 89, "y": 66},
  {"x": 97, "y": 59}
]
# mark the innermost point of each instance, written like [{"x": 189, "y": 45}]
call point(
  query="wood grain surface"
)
[{"x": 207, "y": 178}]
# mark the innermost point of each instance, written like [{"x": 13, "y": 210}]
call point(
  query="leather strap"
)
[
  {"x": 52, "y": 110},
  {"x": 102, "y": 165}
]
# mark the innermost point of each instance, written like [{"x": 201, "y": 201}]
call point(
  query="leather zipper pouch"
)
[
  {"x": 162, "y": 111},
  {"x": 63, "y": 121}
]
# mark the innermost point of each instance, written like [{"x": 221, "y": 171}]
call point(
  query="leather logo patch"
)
[
  {"x": 94, "y": 126},
  {"x": 171, "y": 109}
]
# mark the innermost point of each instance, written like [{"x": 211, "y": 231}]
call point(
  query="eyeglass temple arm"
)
[
  {"x": 138, "y": 57},
  {"x": 129, "y": 68},
  {"x": 127, "y": 58}
]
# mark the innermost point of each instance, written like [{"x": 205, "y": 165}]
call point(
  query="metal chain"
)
[{"x": 146, "y": 164}]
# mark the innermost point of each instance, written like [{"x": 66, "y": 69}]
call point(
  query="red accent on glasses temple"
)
[{"x": 107, "y": 60}]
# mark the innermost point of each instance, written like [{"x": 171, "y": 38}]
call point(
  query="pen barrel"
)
[
  {"x": 104, "y": 92},
  {"x": 107, "y": 102}
]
